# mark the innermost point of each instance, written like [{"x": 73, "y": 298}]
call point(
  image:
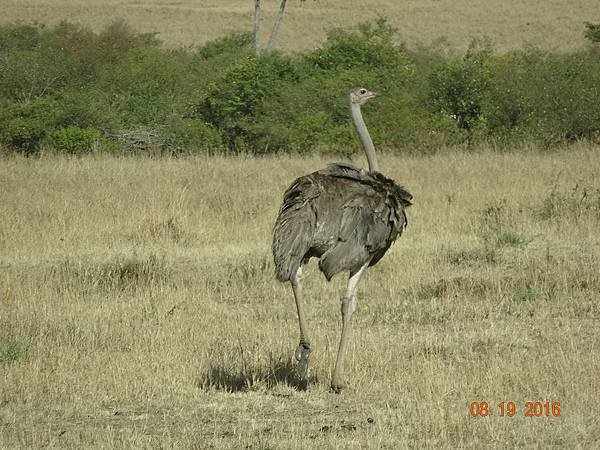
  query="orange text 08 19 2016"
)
[{"x": 510, "y": 409}]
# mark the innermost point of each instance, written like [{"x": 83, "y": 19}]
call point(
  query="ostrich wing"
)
[{"x": 363, "y": 232}]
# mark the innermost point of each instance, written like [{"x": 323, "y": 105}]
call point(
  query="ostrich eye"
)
[{"x": 363, "y": 91}]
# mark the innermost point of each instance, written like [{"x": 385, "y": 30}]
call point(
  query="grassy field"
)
[
  {"x": 138, "y": 307},
  {"x": 552, "y": 25}
]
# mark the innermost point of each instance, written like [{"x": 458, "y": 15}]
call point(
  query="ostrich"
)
[{"x": 348, "y": 218}]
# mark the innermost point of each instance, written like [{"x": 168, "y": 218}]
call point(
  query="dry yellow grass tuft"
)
[
  {"x": 550, "y": 25},
  {"x": 138, "y": 307}
]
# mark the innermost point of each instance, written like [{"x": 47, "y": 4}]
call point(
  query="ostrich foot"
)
[
  {"x": 303, "y": 356},
  {"x": 338, "y": 386}
]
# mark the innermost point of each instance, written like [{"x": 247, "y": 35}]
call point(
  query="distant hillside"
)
[{"x": 551, "y": 25}]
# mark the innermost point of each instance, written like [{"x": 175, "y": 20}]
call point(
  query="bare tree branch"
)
[
  {"x": 257, "y": 26},
  {"x": 276, "y": 26}
]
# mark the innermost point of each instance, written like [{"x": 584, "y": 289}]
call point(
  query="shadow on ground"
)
[{"x": 279, "y": 371}]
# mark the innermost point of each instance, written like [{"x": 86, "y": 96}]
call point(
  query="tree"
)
[
  {"x": 276, "y": 26},
  {"x": 257, "y": 26},
  {"x": 275, "y": 29}
]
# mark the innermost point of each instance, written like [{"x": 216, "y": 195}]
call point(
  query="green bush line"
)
[{"x": 71, "y": 90}]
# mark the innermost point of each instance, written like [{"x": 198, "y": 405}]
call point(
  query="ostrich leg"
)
[
  {"x": 348, "y": 307},
  {"x": 303, "y": 351}
]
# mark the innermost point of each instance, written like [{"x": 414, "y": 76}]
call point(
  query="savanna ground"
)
[
  {"x": 138, "y": 306},
  {"x": 550, "y": 25}
]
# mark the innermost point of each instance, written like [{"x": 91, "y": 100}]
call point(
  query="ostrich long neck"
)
[{"x": 365, "y": 139}]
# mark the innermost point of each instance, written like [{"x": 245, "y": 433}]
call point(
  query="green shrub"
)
[
  {"x": 459, "y": 87},
  {"x": 11, "y": 350},
  {"x": 233, "y": 102},
  {"x": 59, "y": 83},
  {"x": 526, "y": 294},
  {"x": 147, "y": 86},
  {"x": 592, "y": 31},
  {"x": 189, "y": 136},
  {"x": 370, "y": 45},
  {"x": 89, "y": 108},
  {"x": 216, "y": 58},
  {"x": 75, "y": 140},
  {"x": 570, "y": 106},
  {"x": 507, "y": 107},
  {"x": 306, "y": 109},
  {"x": 309, "y": 114},
  {"x": 563, "y": 98},
  {"x": 19, "y": 37},
  {"x": 118, "y": 40},
  {"x": 512, "y": 238},
  {"x": 26, "y": 125},
  {"x": 42, "y": 61},
  {"x": 234, "y": 43}
]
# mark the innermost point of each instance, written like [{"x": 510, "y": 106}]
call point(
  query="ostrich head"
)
[{"x": 360, "y": 95}]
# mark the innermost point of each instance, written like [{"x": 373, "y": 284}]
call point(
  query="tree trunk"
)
[
  {"x": 257, "y": 26},
  {"x": 276, "y": 26}
]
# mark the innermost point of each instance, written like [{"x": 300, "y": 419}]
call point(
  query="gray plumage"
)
[{"x": 345, "y": 216}]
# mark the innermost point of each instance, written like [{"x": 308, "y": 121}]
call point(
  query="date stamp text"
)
[{"x": 512, "y": 409}]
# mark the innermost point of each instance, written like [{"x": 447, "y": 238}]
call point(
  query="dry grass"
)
[
  {"x": 138, "y": 307},
  {"x": 553, "y": 25}
]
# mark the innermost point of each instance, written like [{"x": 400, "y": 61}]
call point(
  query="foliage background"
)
[{"x": 72, "y": 90}]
